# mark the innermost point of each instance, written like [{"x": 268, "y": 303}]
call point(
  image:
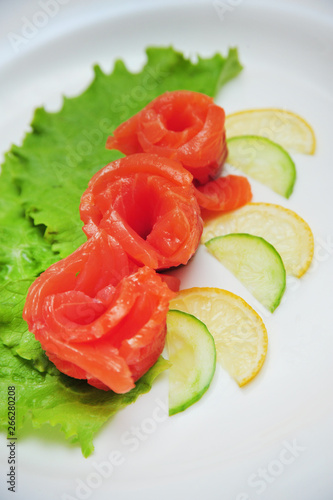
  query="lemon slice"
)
[
  {"x": 288, "y": 129},
  {"x": 239, "y": 333},
  {"x": 264, "y": 160},
  {"x": 284, "y": 229},
  {"x": 193, "y": 356}
]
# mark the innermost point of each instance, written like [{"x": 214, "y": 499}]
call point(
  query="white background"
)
[{"x": 234, "y": 443}]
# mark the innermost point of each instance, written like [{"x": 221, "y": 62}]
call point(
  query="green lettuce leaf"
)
[
  {"x": 41, "y": 184},
  {"x": 23, "y": 249}
]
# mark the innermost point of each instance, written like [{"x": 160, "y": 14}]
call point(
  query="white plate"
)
[{"x": 271, "y": 440}]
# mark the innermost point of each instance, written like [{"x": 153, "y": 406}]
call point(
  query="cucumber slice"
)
[
  {"x": 255, "y": 262},
  {"x": 193, "y": 356},
  {"x": 264, "y": 160},
  {"x": 290, "y": 235}
]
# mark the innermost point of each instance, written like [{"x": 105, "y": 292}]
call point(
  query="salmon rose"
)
[
  {"x": 183, "y": 125},
  {"x": 148, "y": 204},
  {"x": 98, "y": 316}
]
